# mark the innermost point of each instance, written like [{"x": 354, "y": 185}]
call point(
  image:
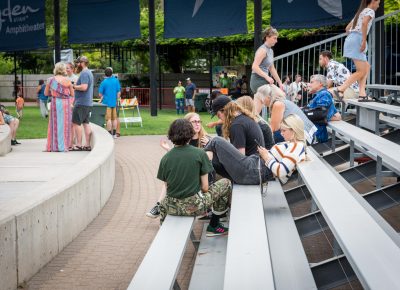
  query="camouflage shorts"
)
[{"x": 217, "y": 198}]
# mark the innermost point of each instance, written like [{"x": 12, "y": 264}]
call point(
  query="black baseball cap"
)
[{"x": 219, "y": 103}]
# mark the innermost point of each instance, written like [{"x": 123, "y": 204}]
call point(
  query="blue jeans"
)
[
  {"x": 241, "y": 169},
  {"x": 179, "y": 105}
]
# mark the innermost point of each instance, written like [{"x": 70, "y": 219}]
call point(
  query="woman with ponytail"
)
[{"x": 355, "y": 47}]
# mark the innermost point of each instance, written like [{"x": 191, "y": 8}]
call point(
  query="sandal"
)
[
  {"x": 86, "y": 148},
  {"x": 365, "y": 99},
  {"x": 338, "y": 94},
  {"x": 76, "y": 148}
]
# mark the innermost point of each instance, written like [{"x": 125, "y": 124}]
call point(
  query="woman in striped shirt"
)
[
  {"x": 279, "y": 162},
  {"x": 283, "y": 157}
]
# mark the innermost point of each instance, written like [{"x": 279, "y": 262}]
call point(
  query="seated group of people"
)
[{"x": 250, "y": 152}]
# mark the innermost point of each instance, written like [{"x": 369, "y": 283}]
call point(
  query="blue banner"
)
[
  {"x": 22, "y": 25},
  {"x": 298, "y": 14},
  {"x": 204, "y": 18},
  {"x": 94, "y": 21}
]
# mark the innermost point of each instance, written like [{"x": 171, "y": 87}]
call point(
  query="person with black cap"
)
[
  {"x": 240, "y": 126},
  {"x": 280, "y": 161}
]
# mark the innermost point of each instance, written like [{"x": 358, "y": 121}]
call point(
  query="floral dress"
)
[{"x": 60, "y": 124}]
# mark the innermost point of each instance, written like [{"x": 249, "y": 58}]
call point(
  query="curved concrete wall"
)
[
  {"x": 57, "y": 212},
  {"x": 5, "y": 139}
]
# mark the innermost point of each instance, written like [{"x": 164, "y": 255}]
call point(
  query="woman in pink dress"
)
[{"x": 59, "y": 89}]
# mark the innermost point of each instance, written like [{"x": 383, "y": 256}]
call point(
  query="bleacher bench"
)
[{"x": 371, "y": 251}]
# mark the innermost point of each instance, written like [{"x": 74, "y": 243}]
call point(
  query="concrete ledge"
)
[
  {"x": 5, "y": 140},
  {"x": 32, "y": 235}
]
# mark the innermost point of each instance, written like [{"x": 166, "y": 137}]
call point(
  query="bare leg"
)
[
  {"x": 88, "y": 132},
  {"x": 78, "y": 134},
  {"x": 14, "y": 126},
  {"x": 118, "y": 126},
  {"x": 363, "y": 82},
  {"x": 361, "y": 67},
  {"x": 109, "y": 125},
  {"x": 114, "y": 124}
]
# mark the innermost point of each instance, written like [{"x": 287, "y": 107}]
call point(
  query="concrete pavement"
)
[{"x": 27, "y": 167}]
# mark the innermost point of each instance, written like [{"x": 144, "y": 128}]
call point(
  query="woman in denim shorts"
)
[{"x": 355, "y": 47}]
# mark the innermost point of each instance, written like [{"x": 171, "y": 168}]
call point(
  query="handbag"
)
[{"x": 316, "y": 115}]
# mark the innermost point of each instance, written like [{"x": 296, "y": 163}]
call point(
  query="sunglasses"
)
[{"x": 196, "y": 122}]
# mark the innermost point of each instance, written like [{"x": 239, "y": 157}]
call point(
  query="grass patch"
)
[{"x": 32, "y": 125}]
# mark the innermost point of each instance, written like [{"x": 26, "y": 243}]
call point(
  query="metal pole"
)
[
  {"x": 257, "y": 23},
  {"x": 15, "y": 76},
  {"x": 109, "y": 53},
  {"x": 160, "y": 82},
  {"x": 57, "y": 38},
  {"x": 379, "y": 53},
  {"x": 210, "y": 69},
  {"x": 152, "y": 42}
]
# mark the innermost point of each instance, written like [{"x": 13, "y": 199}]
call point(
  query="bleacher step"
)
[{"x": 209, "y": 268}]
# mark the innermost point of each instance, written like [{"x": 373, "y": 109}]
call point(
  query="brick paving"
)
[{"x": 108, "y": 252}]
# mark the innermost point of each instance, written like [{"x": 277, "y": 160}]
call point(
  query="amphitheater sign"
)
[{"x": 22, "y": 25}]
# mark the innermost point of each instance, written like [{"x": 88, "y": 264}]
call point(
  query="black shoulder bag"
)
[{"x": 317, "y": 115}]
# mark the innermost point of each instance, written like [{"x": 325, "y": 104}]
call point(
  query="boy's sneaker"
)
[
  {"x": 219, "y": 230},
  {"x": 154, "y": 212}
]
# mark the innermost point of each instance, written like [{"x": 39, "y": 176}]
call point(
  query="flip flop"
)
[
  {"x": 365, "y": 99},
  {"x": 77, "y": 148}
]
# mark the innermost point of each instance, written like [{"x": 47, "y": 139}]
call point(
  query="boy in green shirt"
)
[
  {"x": 184, "y": 169},
  {"x": 179, "y": 92}
]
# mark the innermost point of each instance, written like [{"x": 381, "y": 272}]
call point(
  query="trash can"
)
[
  {"x": 199, "y": 102},
  {"x": 98, "y": 114}
]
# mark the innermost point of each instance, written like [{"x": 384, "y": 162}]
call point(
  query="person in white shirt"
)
[
  {"x": 355, "y": 47},
  {"x": 296, "y": 88},
  {"x": 336, "y": 75}
]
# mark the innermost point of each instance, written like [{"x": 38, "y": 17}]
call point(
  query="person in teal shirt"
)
[{"x": 179, "y": 92}]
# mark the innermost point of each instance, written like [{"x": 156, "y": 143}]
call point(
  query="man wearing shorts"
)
[
  {"x": 336, "y": 75},
  {"x": 190, "y": 93},
  {"x": 83, "y": 105},
  {"x": 109, "y": 92}
]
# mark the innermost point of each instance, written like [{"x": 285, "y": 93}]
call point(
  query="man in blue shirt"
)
[
  {"x": 110, "y": 92},
  {"x": 322, "y": 98},
  {"x": 83, "y": 104},
  {"x": 190, "y": 93}
]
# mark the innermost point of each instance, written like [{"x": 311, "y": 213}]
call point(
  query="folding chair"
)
[{"x": 130, "y": 104}]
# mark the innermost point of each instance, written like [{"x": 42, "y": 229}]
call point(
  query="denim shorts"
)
[
  {"x": 8, "y": 118},
  {"x": 352, "y": 46}
]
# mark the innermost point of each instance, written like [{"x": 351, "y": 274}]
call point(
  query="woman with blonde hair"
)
[
  {"x": 247, "y": 103},
  {"x": 59, "y": 89},
  {"x": 279, "y": 162},
  {"x": 199, "y": 140},
  {"x": 263, "y": 63},
  {"x": 279, "y": 108}
]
